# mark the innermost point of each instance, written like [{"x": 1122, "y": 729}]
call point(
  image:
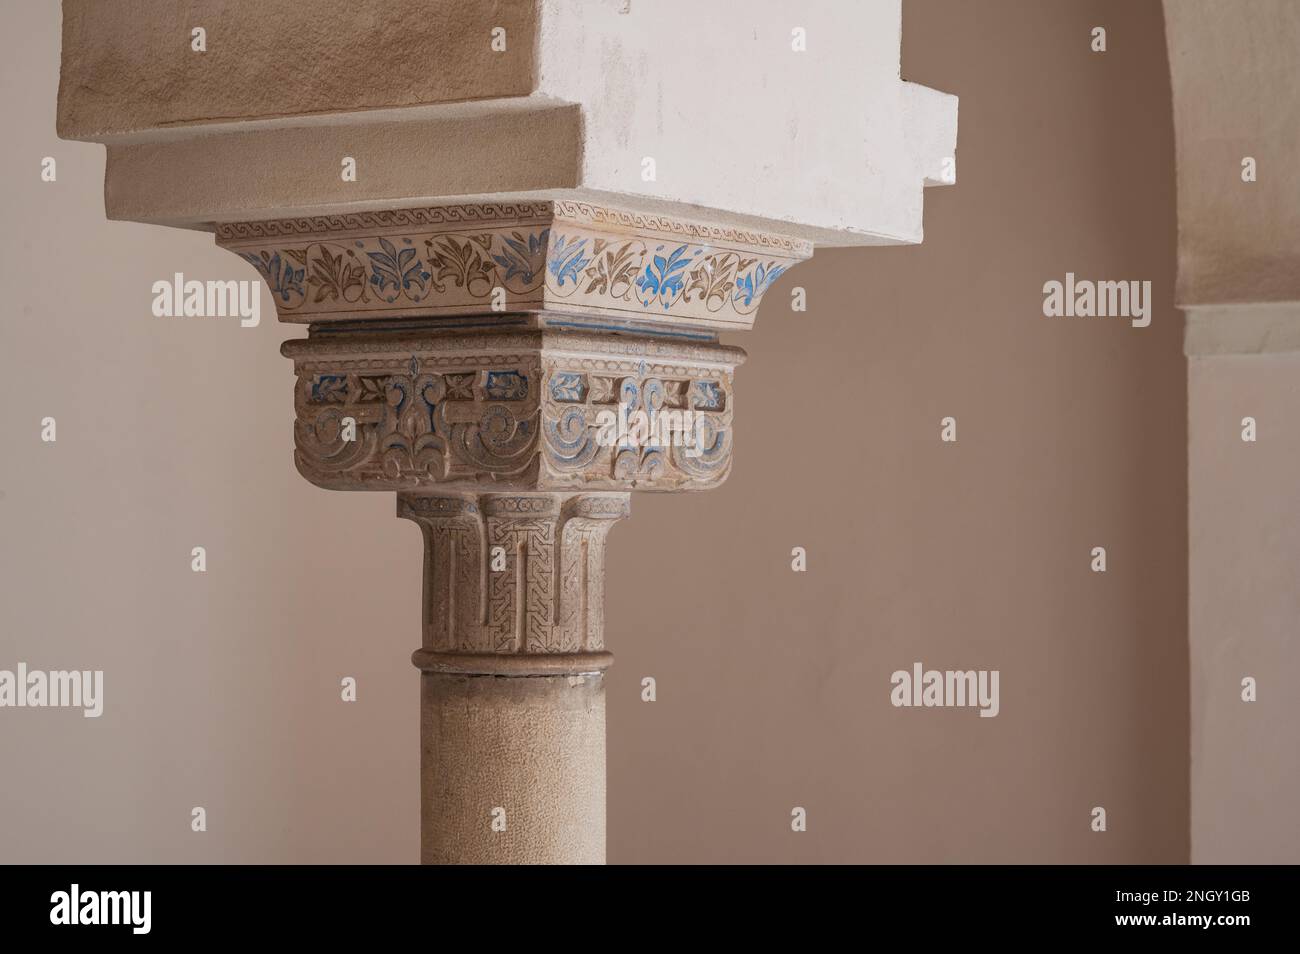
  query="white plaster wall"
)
[{"x": 735, "y": 119}]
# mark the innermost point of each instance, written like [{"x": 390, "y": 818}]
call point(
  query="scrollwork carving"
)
[{"x": 520, "y": 412}]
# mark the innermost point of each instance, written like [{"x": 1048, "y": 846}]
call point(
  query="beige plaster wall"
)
[
  {"x": 1235, "y": 74},
  {"x": 773, "y": 687},
  {"x": 1245, "y": 547},
  {"x": 1235, "y": 95}
]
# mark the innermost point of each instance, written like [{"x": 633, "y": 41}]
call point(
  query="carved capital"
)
[
  {"x": 502, "y": 410},
  {"x": 579, "y": 263},
  {"x": 514, "y": 583}
]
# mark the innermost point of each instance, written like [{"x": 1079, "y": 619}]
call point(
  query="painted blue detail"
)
[
  {"x": 567, "y": 259},
  {"x": 399, "y": 269},
  {"x": 753, "y": 284},
  {"x": 281, "y": 277},
  {"x": 570, "y": 444},
  {"x": 403, "y": 389},
  {"x": 506, "y": 386},
  {"x": 329, "y": 387},
  {"x": 568, "y": 387},
  {"x": 664, "y": 277},
  {"x": 708, "y": 395},
  {"x": 519, "y": 257}
]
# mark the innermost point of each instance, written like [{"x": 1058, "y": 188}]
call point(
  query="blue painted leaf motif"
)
[
  {"x": 567, "y": 259},
  {"x": 522, "y": 257},
  {"x": 708, "y": 395},
  {"x": 329, "y": 387},
  {"x": 753, "y": 284},
  {"x": 399, "y": 269},
  {"x": 291, "y": 281},
  {"x": 745, "y": 288},
  {"x": 281, "y": 277},
  {"x": 663, "y": 277},
  {"x": 568, "y": 387}
]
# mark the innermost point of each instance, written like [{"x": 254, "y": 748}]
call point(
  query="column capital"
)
[
  {"x": 586, "y": 265},
  {"x": 502, "y": 410},
  {"x": 514, "y": 583}
]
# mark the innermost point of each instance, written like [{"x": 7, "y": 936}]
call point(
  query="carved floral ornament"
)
[{"x": 547, "y": 255}]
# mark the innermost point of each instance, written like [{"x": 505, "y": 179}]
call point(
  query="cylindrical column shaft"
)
[
  {"x": 512, "y": 699},
  {"x": 512, "y": 769}
]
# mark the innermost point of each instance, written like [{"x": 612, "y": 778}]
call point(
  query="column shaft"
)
[
  {"x": 512, "y": 695},
  {"x": 512, "y": 769}
]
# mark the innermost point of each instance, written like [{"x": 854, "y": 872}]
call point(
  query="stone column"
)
[
  {"x": 512, "y": 438},
  {"x": 512, "y": 695}
]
